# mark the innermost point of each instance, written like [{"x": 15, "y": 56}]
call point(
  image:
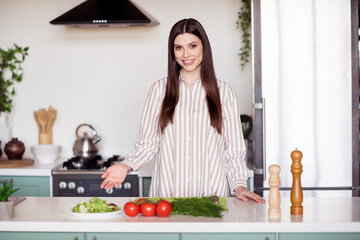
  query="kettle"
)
[{"x": 85, "y": 146}]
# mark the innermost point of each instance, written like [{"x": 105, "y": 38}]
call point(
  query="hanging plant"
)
[
  {"x": 10, "y": 72},
  {"x": 244, "y": 23}
]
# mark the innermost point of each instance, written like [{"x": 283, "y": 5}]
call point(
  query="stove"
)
[{"x": 82, "y": 177}]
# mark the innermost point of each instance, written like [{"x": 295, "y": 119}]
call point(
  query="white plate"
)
[{"x": 68, "y": 209}]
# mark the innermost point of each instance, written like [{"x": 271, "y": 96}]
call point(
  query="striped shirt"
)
[{"x": 191, "y": 158}]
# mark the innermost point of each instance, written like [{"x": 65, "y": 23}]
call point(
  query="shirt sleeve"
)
[
  {"x": 235, "y": 166},
  {"x": 147, "y": 143}
]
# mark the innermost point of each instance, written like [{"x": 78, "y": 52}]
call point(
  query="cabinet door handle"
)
[
  {"x": 267, "y": 238},
  {"x": 76, "y": 238},
  {"x": 94, "y": 237}
]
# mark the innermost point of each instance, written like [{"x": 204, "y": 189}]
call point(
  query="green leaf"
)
[
  {"x": 244, "y": 16},
  {"x": 10, "y": 60},
  {"x": 7, "y": 190}
]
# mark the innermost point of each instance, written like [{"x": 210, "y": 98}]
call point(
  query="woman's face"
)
[{"x": 188, "y": 51}]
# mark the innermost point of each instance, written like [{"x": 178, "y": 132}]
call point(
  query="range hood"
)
[{"x": 104, "y": 13}]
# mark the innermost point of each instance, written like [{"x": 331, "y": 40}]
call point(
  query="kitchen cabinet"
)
[
  {"x": 146, "y": 186},
  {"x": 228, "y": 236},
  {"x": 40, "y": 235},
  {"x": 319, "y": 236},
  {"x": 132, "y": 236},
  {"x": 30, "y": 186}
]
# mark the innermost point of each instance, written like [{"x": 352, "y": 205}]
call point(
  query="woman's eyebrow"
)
[{"x": 178, "y": 45}]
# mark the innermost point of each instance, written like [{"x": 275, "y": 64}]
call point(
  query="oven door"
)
[{"x": 88, "y": 185}]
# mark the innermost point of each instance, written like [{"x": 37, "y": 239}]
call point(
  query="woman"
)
[{"x": 191, "y": 125}]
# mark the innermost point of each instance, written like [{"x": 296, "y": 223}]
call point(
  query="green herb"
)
[
  {"x": 7, "y": 190},
  {"x": 195, "y": 206}
]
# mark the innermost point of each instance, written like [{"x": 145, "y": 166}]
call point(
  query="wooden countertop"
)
[{"x": 340, "y": 214}]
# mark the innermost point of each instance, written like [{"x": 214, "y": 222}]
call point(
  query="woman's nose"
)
[{"x": 186, "y": 53}]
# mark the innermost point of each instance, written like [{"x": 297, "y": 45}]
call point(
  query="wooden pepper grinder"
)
[
  {"x": 296, "y": 190},
  {"x": 274, "y": 195}
]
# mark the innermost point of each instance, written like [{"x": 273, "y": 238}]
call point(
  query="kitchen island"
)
[{"x": 329, "y": 217}]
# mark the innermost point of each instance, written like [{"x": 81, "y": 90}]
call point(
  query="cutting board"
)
[{"x": 6, "y": 163}]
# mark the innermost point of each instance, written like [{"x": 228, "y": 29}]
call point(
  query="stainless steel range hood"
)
[{"x": 104, "y": 13}]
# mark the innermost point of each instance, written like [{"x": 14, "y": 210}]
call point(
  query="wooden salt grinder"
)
[
  {"x": 296, "y": 190},
  {"x": 274, "y": 196}
]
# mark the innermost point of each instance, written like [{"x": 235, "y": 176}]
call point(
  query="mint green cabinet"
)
[
  {"x": 40, "y": 236},
  {"x": 132, "y": 236},
  {"x": 319, "y": 236},
  {"x": 30, "y": 186},
  {"x": 228, "y": 236},
  {"x": 146, "y": 181}
]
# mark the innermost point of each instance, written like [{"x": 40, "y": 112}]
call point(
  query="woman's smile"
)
[{"x": 188, "y": 62}]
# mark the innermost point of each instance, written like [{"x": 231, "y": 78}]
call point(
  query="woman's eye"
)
[
  {"x": 177, "y": 48},
  {"x": 193, "y": 46}
]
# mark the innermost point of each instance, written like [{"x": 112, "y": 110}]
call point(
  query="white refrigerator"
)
[{"x": 306, "y": 95}]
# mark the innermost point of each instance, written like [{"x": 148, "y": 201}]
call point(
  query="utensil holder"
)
[{"x": 45, "y": 138}]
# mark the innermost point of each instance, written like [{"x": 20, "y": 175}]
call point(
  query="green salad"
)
[{"x": 95, "y": 205}]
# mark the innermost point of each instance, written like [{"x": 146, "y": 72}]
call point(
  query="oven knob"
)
[
  {"x": 127, "y": 185},
  {"x": 72, "y": 185},
  {"x": 118, "y": 186},
  {"x": 80, "y": 190},
  {"x": 109, "y": 191},
  {"x": 62, "y": 185}
]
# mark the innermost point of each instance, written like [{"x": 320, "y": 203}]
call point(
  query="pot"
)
[
  {"x": 14, "y": 149},
  {"x": 85, "y": 146}
]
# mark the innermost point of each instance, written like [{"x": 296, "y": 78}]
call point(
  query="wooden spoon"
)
[
  {"x": 43, "y": 119},
  {"x": 51, "y": 119}
]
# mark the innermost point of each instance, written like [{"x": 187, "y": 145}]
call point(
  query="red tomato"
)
[
  {"x": 140, "y": 200},
  {"x": 148, "y": 209},
  {"x": 163, "y": 208},
  {"x": 131, "y": 209}
]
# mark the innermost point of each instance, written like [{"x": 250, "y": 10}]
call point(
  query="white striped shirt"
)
[{"x": 191, "y": 158}]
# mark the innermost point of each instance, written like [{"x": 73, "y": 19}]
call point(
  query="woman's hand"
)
[
  {"x": 114, "y": 175},
  {"x": 245, "y": 195}
]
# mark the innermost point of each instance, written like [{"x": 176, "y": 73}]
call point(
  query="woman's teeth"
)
[{"x": 188, "y": 61}]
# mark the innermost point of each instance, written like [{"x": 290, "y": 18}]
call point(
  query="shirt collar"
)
[{"x": 181, "y": 80}]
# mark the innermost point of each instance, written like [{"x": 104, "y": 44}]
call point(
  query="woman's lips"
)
[{"x": 188, "y": 62}]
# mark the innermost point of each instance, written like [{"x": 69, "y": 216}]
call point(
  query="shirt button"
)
[
  {"x": 188, "y": 179},
  {"x": 189, "y": 138}
]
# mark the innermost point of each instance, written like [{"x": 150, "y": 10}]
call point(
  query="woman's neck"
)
[{"x": 190, "y": 77}]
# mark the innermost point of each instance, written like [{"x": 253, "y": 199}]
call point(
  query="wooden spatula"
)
[{"x": 43, "y": 119}]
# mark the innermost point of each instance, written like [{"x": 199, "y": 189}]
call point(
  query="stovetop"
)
[{"x": 87, "y": 165}]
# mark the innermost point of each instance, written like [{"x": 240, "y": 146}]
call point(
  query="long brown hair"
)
[{"x": 208, "y": 78}]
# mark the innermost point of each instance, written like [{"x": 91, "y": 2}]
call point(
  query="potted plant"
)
[
  {"x": 7, "y": 207},
  {"x": 10, "y": 73}
]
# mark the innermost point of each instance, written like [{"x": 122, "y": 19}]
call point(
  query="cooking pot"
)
[{"x": 85, "y": 146}]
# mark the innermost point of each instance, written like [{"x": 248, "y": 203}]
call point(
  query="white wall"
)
[{"x": 101, "y": 76}]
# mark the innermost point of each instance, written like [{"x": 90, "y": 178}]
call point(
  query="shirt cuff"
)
[
  {"x": 236, "y": 183},
  {"x": 130, "y": 164}
]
